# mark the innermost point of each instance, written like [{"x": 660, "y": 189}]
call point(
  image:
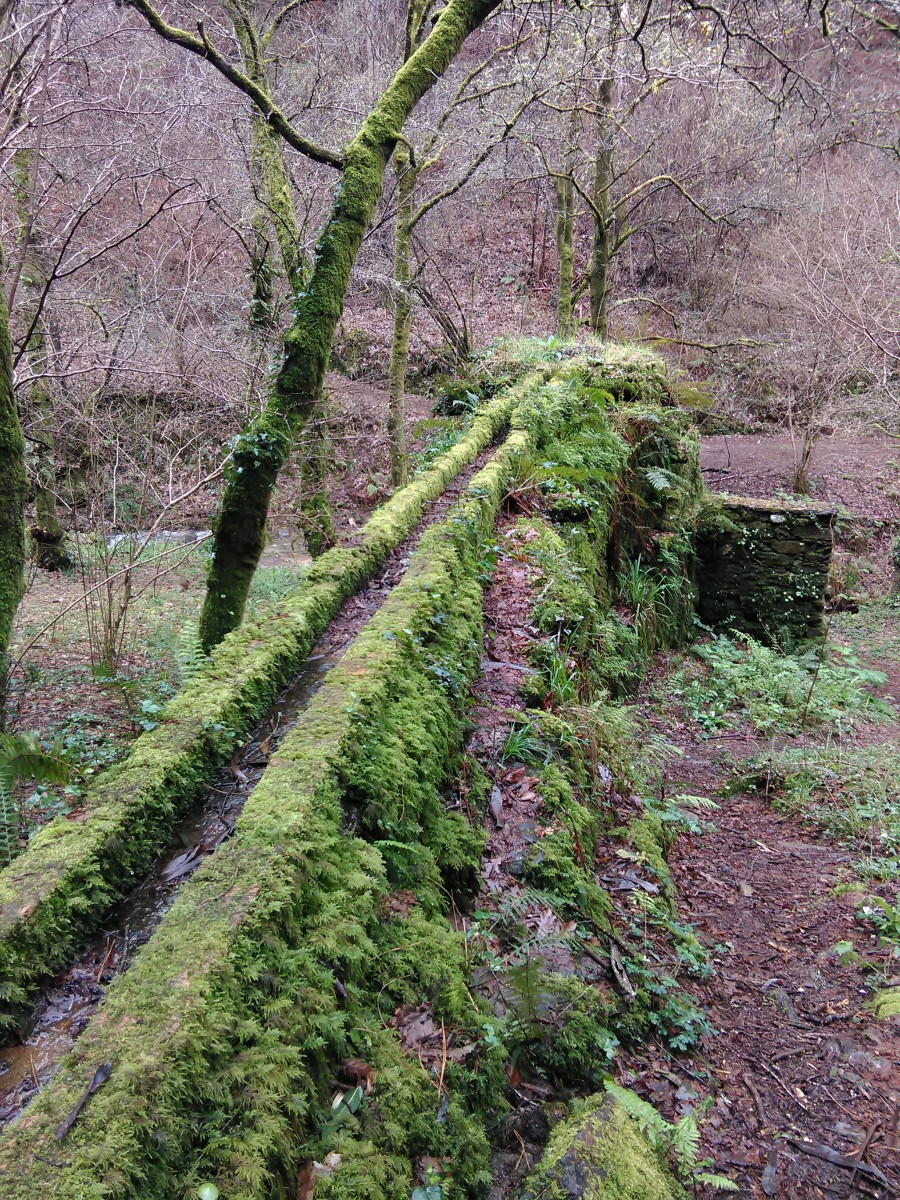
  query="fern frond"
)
[
  {"x": 686, "y": 1142},
  {"x": 719, "y": 1183},
  {"x": 656, "y": 1128},
  {"x": 189, "y": 654},
  {"x": 658, "y": 479},
  {"x": 700, "y": 802}
]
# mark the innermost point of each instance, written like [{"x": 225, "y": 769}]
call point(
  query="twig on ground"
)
[
  {"x": 758, "y": 1104},
  {"x": 784, "y": 1087},
  {"x": 829, "y": 1154}
]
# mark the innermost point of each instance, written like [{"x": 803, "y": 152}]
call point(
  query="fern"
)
[
  {"x": 680, "y": 1141},
  {"x": 189, "y": 654},
  {"x": 685, "y": 1138},
  {"x": 655, "y": 1128},
  {"x": 23, "y": 757},
  {"x": 719, "y": 1183},
  {"x": 658, "y": 479}
]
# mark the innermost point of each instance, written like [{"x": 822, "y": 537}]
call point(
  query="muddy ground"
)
[{"x": 799, "y": 1086}]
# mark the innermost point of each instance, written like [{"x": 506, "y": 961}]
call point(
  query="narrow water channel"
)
[
  {"x": 69, "y": 1001},
  {"x": 67, "y": 1004}
]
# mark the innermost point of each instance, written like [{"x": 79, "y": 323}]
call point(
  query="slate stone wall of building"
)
[{"x": 762, "y": 568}]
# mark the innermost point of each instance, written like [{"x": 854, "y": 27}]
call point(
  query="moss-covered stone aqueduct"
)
[{"x": 218, "y": 1048}]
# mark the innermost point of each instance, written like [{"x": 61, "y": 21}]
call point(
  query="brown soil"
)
[
  {"x": 797, "y": 1062},
  {"x": 803, "y": 1082},
  {"x": 862, "y": 474}
]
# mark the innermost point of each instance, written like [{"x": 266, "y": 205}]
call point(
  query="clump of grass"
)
[
  {"x": 739, "y": 677},
  {"x": 852, "y": 795},
  {"x": 524, "y": 744}
]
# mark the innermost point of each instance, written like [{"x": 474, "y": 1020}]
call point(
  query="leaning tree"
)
[{"x": 260, "y": 451}]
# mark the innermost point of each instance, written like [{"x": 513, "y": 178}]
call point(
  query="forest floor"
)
[
  {"x": 798, "y": 1088},
  {"x": 798, "y": 1070}
]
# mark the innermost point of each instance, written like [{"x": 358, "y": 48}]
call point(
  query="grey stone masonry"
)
[{"x": 762, "y": 567}]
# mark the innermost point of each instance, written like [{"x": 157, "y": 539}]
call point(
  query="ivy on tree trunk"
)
[
  {"x": 601, "y": 249},
  {"x": 47, "y": 533}
]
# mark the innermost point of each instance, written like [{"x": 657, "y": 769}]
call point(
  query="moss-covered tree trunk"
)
[
  {"x": 406, "y": 183},
  {"x": 407, "y": 173},
  {"x": 599, "y": 275},
  {"x": 565, "y": 233},
  {"x": 13, "y": 495},
  {"x": 260, "y": 451},
  {"x": 47, "y": 532},
  {"x": 275, "y": 220}
]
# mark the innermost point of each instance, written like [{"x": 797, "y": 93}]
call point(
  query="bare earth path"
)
[
  {"x": 802, "y": 1080},
  {"x": 798, "y": 1069}
]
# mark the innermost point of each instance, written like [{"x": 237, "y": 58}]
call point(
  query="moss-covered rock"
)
[
  {"x": 763, "y": 568},
  {"x": 886, "y": 1004},
  {"x": 600, "y": 1154}
]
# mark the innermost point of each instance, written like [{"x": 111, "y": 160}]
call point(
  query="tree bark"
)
[
  {"x": 406, "y": 183},
  {"x": 260, "y": 451},
  {"x": 601, "y": 245},
  {"x": 47, "y": 533},
  {"x": 274, "y": 213},
  {"x": 565, "y": 233},
  {"x": 13, "y": 495}
]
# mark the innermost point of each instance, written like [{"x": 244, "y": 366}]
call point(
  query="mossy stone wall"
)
[
  {"x": 73, "y": 872},
  {"x": 763, "y": 568}
]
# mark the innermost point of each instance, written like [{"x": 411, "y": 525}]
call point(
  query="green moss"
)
[
  {"x": 600, "y": 1154},
  {"x": 224, "y": 1033},
  {"x": 558, "y": 1027},
  {"x": 73, "y": 872},
  {"x": 652, "y": 841},
  {"x": 886, "y": 1004}
]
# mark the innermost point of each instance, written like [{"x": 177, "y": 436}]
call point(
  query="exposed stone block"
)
[{"x": 763, "y": 567}]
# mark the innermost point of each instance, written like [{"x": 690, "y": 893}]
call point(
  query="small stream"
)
[
  {"x": 68, "y": 1003},
  {"x": 284, "y": 547}
]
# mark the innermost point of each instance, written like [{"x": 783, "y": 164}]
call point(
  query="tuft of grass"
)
[
  {"x": 524, "y": 744},
  {"x": 852, "y": 795}
]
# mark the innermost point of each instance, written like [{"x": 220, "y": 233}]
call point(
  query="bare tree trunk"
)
[
  {"x": 47, "y": 533},
  {"x": 602, "y": 213},
  {"x": 406, "y": 183},
  {"x": 13, "y": 495},
  {"x": 261, "y": 450}
]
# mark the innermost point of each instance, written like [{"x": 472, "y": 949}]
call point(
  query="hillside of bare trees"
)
[{"x": 449, "y": 518}]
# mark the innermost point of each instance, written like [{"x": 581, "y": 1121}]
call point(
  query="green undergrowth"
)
[
  {"x": 851, "y": 792},
  {"x": 732, "y": 678},
  {"x": 271, "y": 968},
  {"x": 579, "y": 744},
  {"x": 73, "y": 872}
]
